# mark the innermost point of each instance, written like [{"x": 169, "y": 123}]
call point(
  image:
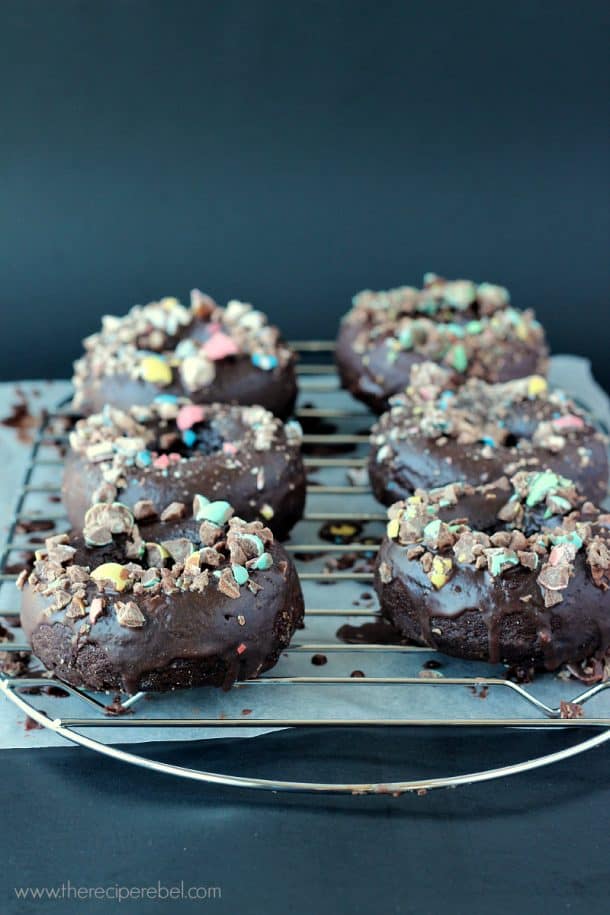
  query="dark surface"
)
[
  {"x": 516, "y": 845},
  {"x": 292, "y": 154}
]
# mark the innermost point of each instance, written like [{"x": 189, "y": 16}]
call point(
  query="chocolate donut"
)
[
  {"x": 514, "y": 572},
  {"x": 468, "y": 328},
  {"x": 206, "y": 353},
  {"x": 433, "y": 435},
  {"x": 154, "y": 459},
  {"x": 215, "y": 604}
]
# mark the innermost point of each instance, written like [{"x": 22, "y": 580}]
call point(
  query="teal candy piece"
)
[
  {"x": 264, "y": 361},
  {"x": 240, "y": 574},
  {"x": 264, "y": 562},
  {"x": 571, "y": 537},
  {"x": 258, "y": 543},
  {"x": 406, "y": 338},
  {"x": 431, "y": 530},
  {"x": 502, "y": 559},
  {"x": 215, "y": 512}
]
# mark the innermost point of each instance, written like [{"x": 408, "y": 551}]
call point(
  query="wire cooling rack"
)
[{"x": 339, "y": 452}]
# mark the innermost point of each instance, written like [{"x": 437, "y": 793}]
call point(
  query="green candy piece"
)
[
  {"x": 500, "y": 560},
  {"x": 428, "y": 307},
  {"x": 542, "y": 484},
  {"x": 240, "y": 574},
  {"x": 456, "y": 330},
  {"x": 458, "y": 358},
  {"x": 572, "y": 538},
  {"x": 474, "y": 327},
  {"x": 256, "y": 541},
  {"x": 264, "y": 562},
  {"x": 406, "y": 338},
  {"x": 216, "y": 512}
]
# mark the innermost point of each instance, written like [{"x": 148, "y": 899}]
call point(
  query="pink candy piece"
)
[
  {"x": 219, "y": 346},
  {"x": 174, "y": 456},
  {"x": 229, "y": 448},
  {"x": 569, "y": 421},
  {"x": 162, "y": 462},
  {"x": 560, "y": 554},
  {"x": 188, "y": 416}
]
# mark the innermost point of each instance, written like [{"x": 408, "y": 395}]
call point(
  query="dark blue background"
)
[{"x": 292, "y": 153}]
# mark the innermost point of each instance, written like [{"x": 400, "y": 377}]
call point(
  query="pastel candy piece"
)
[
  {"x": 264, "y": 562},
  {"x": 393, "y": 528},
  {"x": 541, "y": 485},
  {"x": 229, "y": 448},
  {"x": 256, "y": 542},
  {"x": 156, "y": 370},
  {"x": 536, "y": 385},
  {"x": 264, "y": 361},
  {"x": 110, "y": 571},
  {"x": 189, "y": 438},
  {"x": 189, "y": 415},
  {"x": 219, "y": 346},
  {"x": 161, "y": 462},
  {"x": 240, "y": 574},
  {"x": 216, "y": 512},
  {"x": 440, "y": 573},
  {"x": 570, "y": 421},
  {"x": 458, "y": 358}
]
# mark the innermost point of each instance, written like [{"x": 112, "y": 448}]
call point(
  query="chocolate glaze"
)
[
  {"x": 214, "y": 475},
  {"x": 411, "y": 459},
  {"x": 189, "y": 639},
  {"x": 376, "y": 632},
  {"x": 237, "y": 381},
  {"x": 377, "y": 380}
]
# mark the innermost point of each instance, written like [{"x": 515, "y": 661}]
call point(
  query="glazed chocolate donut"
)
[
  {"x": 433, "y": 435},
  {"x": 206, "y": 353},
  {"x": 468, "y": 328},
  {"x": 156, "y": 458},
  {"x": 498, "y": 573},
  {"x": 216, "y": 604}
]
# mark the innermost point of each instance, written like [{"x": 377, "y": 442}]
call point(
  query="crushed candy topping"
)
[
  {"x": 550, "y": 551},
  {"x": 143, "y": 343}
]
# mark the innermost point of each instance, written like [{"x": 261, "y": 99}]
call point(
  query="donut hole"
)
[{"x": 201, "y": 438}]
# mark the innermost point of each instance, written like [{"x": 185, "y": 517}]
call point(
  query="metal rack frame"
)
[{"x": 71, "y": 727}]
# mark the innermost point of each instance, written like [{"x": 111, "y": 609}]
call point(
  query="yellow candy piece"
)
[
  {"x": 523, "y": 331},
  {"x": 169, "y": 302},
  {"x": 536, "y": 385},
  {"x": 393, "y": 528},
  {"x": 440, "y": 572},
  {"x": 156, "y": 370},
  {"x": 110, "y": 571}
]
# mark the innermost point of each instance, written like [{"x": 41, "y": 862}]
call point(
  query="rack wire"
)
[{"x": 316, "y": 380}]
